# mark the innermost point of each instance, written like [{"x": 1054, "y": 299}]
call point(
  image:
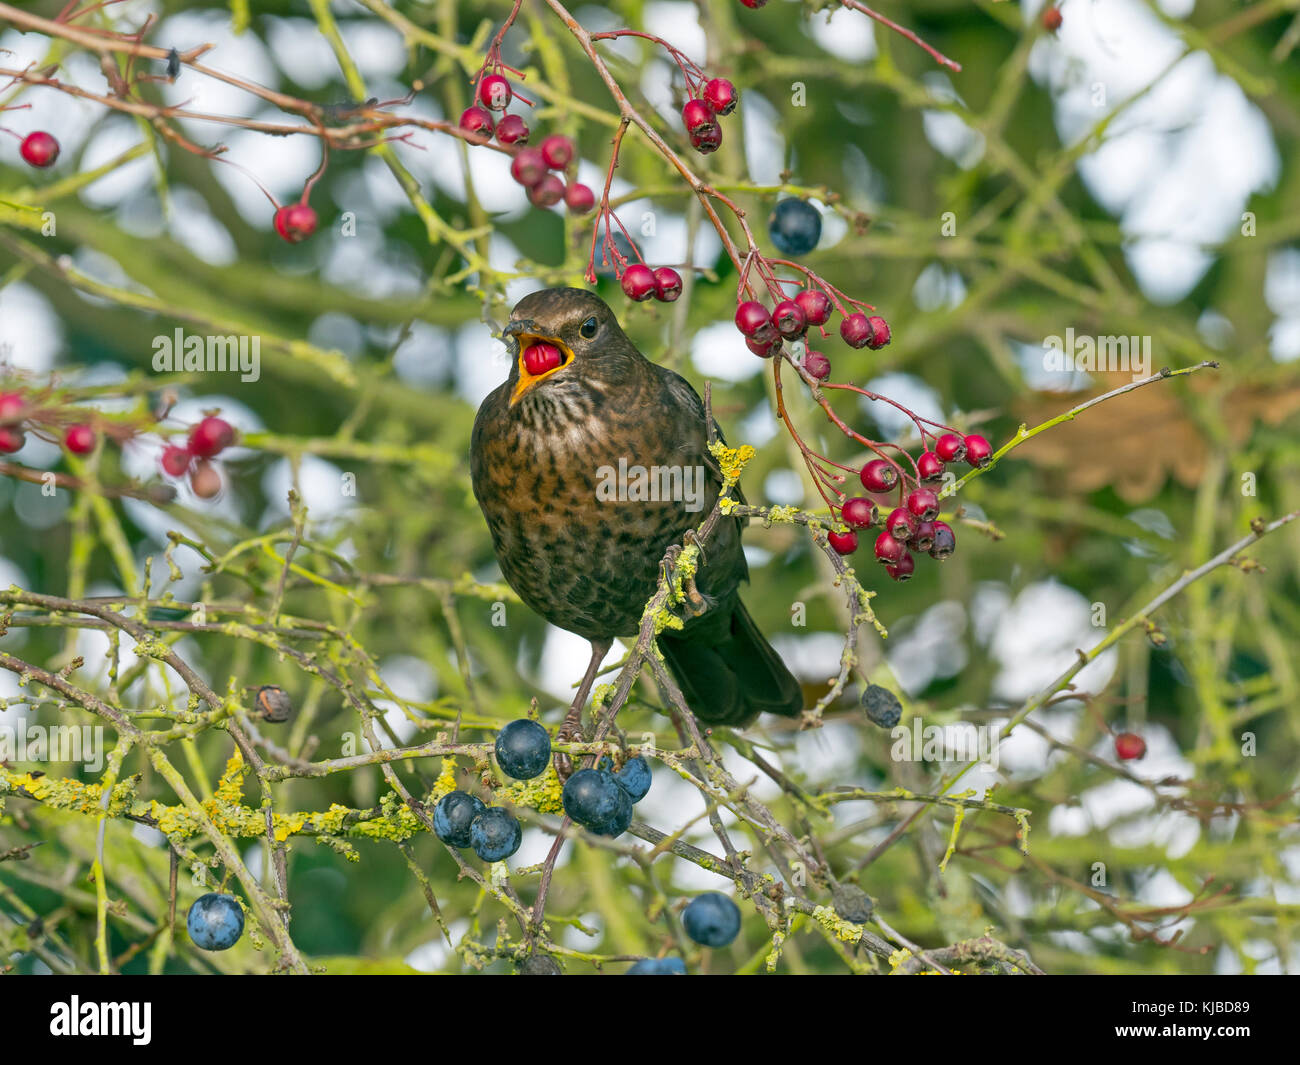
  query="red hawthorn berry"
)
[
  {"x": 879, "y": 475},
  {"x": 845, "y": 543},
  {"x": 945, "y": 541},
  {"x": 528, "y": 167},
  {"x": 950, "y": 447},
  {"x": 510, "y": 130},
  {"x": 557, "y": 150},
  {"x": 1130, "y": 746},
  {"x": 753, "y": 4},
  {"x": 698, "y": 114},
  {"x": 923, "y": 538},
  {"x": 764, "y": 349},
  {"x": 979, "y": 452},
  {"x": 477, "y": 120},
  {"x": 880, "y": 334},
  {"x": 211, "y": 437},
  {"x": 494, "y": 93},
  {"x": 859, "y": 513},
  {"x": 547, "y": 192},
  {"x": 754, "y": 322},
  {"x": 817, "y": 364},
  {"x": 11, "y": 439},
  {"x": 11, "y": 404},
  {"x": 900, "y": 524},
  {"x": 638, "y": 282},
  {"x": 540, "y": 357},
  {"x": 79, "y": 439},
  {"x": 816, "y": 306},
  {"x": 205, "y": 481},
  {"x": 889, "y": 549},
  {"x": 707, "y": 140},
  {"x": 1052, "y": 19},
  {"x": 579, "y": 198},
  {"x": 856, "y": 330},
  {"x": 788, "y": 317},
  {"x": 668, "y": 284},
  {"x": 295, "y": 222},
  {"x": 930, "y": 467},
  {"x": 721, "y": 95},
  {"x": 176, "y": 461},
  {"x": 902, "y": 569},
  {"x": 923, "y": 504},
  {"x": 39, "y": 149}
]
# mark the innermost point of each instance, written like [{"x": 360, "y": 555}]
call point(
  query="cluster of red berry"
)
[
  {"x": 15, "y": 410},
  {"x": 701, "y": 114},
  {"x": 913, "y": 524},
  {"x": 766, "y": 331},
  {"x": 531, "y": 167},
  {"x": 206, "y": 441},
  {"x": 640, "y": 283}
]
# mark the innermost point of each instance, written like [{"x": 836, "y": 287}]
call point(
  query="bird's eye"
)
[{"x": 588, "y": 328}]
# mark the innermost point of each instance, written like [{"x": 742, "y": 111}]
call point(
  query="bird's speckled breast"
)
[{"x": 584, "y": 563}]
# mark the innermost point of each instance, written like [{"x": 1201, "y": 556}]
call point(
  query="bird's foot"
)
[
  {"x": 570, "y": 730},
  {"x": 685, "y": 598}
]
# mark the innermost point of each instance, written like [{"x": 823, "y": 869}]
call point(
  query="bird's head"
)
[{"x": 575, "y": 322}]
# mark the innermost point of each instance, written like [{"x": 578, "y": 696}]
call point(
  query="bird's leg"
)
[
  {"x": 689, "y": 600},
  {"x": 571, "y": 728}
]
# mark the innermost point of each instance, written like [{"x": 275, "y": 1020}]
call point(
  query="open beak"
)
[{"x": 525, "y": 335}]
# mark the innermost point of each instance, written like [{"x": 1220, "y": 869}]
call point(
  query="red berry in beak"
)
[
  {"x": 476, "y": 120},
  {"x": 789, "y": 319},
  {"x": 754, "y": 322},
  {"x": 1129, "y": 746},
  {"x": 528, "y": 167},
  {"x": 639, "y": 282},
  {"x": 510, "y": 130},
  {"x": 950, "y": 447},
  {"x": 210, "y": 437},
  {"x": 923, "y": 504},
  {"x": 879, "y": 476},
  {"x": 929, "y": 467},
  {"x": 39, "y": 149},
  {"x": 979, "y": 451},
  {"x": 721, "y": 95},
  {"x": 494, "y": 92},
  {"x": 668, "y": 284},
  {"x": 945, "y": 541},
  {"x": 817, "y": 364},
  {"x": 816, "y": 306},
  {"x": 557, "y": 150},
  {"x": 845, "y": 543},
  {"x": 176, "y": 461},
  {"x": 579, "y": 199},
  {"x": 295, "y": 222},
  {"x": 79, "y": 439},
  {"x": 859, "y": 512},
  {"x": 540, "y": 357}
]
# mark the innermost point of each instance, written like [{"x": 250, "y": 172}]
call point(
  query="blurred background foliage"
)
[{"x": 980, "y": 211}]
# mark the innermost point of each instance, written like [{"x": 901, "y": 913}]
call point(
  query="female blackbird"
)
[{"x": 585, "y": 553}]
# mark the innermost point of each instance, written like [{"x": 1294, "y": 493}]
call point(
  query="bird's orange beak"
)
[{"x": 528, "y": 380}]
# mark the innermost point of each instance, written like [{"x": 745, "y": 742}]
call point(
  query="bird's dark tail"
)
[{"x": 728, "y": 672}]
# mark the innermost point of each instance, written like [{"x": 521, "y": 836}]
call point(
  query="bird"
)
[{"x": 543, "y": 447}]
